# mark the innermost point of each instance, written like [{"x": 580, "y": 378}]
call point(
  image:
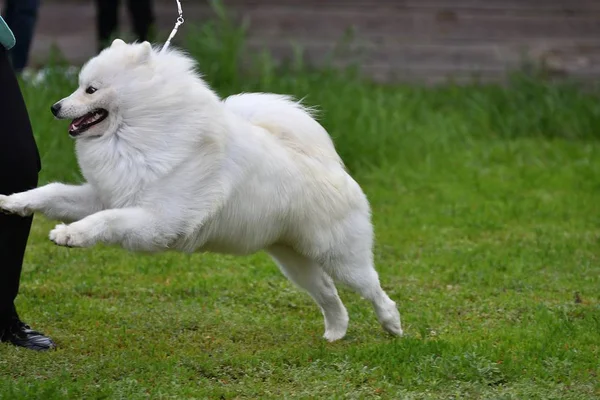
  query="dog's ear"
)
[
  {"x": 145, "y": 52},
  {"x": 118, "y": 43}
]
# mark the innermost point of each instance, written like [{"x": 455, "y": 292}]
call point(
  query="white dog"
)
[{"x": 169, "y": 165}]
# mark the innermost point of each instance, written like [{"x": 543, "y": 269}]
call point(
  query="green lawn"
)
[{"x": 486, "y": 203}]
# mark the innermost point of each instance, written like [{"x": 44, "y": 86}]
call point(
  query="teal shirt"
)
[{"x": 7, "y": 39}]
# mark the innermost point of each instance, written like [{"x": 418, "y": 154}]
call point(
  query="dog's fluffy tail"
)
[{"x": 288, "y": 120}]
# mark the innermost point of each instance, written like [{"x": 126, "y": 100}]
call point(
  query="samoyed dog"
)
[{"x": 171, "y": 166}]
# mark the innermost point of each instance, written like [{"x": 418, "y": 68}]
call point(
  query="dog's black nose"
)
[{"x": 55, "y": 109}]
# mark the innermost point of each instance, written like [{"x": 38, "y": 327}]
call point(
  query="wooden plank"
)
[
  {"x": 384, "y": 73},
  {"x": 565, "y": 59},
  {"x": 495, "y": 5},
  {"x": 409, "y": 27}
]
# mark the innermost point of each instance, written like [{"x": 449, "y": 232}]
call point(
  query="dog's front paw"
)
[
  {"x": 12, "y": 205},
  {"x": 70, "y": 236}
]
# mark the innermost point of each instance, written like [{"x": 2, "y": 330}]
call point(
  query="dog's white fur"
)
[{"x": 175, "y": 167}]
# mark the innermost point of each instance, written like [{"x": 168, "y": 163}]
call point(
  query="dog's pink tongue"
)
[{"x": 76, "y": 122}]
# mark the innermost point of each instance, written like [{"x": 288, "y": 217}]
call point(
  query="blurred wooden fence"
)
[{"x": 402, "y": 40}]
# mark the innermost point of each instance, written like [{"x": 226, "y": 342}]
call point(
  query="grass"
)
[{"x": 485, "y": 203}]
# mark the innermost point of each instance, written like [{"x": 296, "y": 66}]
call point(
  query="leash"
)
[{"x": 178, "y": 23}]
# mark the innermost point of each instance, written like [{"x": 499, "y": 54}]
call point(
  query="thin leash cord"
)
[{"x": 178, "y": 23}]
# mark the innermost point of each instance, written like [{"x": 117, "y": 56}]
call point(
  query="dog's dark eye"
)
[{"x": 90, "y": 90}]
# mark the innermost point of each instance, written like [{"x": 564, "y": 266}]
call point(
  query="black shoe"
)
[{"x": 22, "y": 335}]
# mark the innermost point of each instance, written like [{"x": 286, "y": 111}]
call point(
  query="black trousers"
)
[
  {"x": 107, "y": 14},
  {"x": 19, "y": 167},
  {"x": 21, "y": 16}
]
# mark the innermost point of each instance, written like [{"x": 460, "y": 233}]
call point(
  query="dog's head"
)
[{"x": 120, "y": 72}]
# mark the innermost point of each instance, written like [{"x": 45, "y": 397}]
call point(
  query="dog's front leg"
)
[
  {"x": 135, "y": 228},
  {"x": 55, "y": 200}
]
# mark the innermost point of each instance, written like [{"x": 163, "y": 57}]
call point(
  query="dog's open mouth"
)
[{"x": 82, "y": 124}]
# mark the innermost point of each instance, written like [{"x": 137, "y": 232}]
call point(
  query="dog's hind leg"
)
[
  {"x": 311, "y": 277},
  {"x": 359, "y": 274}
]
